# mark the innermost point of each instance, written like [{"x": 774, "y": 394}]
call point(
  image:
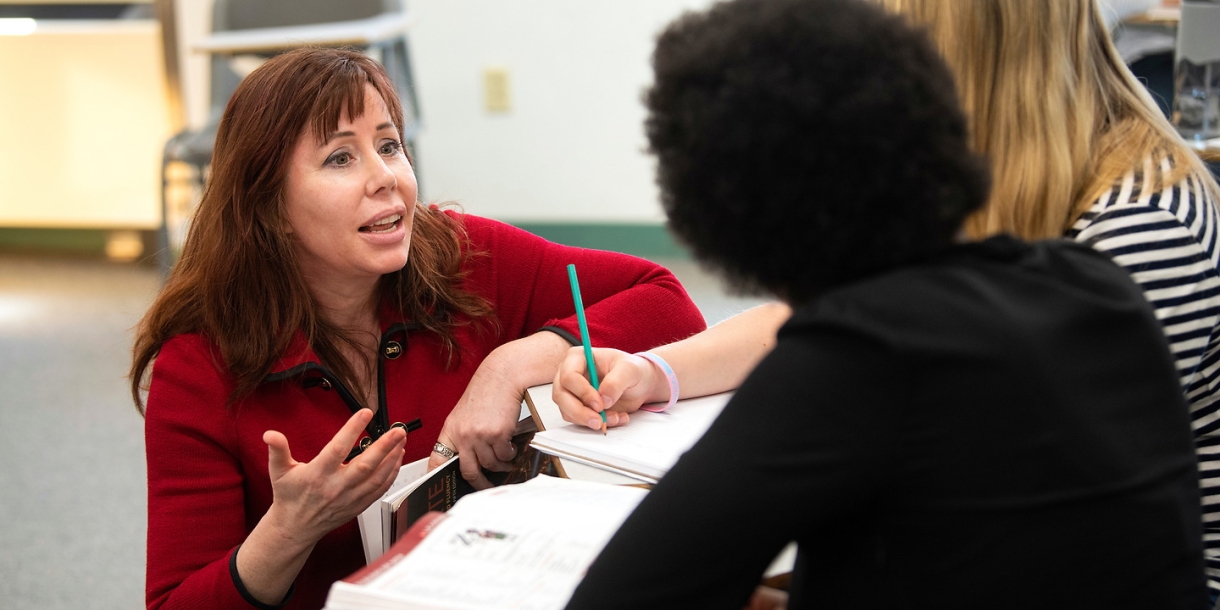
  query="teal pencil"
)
[{"x": 584, "y": 333}]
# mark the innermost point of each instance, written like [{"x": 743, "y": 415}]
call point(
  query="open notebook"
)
[
  {"x": 651, "y": 443},
  {"x": 644, "y": 449}
]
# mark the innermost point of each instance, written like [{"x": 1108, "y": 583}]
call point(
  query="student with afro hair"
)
[{"x": 941, "y": 423}]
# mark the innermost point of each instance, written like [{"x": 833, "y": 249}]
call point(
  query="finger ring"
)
[{"x": 440, "y": 448}]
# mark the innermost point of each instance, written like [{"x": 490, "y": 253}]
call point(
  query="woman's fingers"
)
[
  {"x": 337, "y": 450},
  {"x": 386, "y": 469},
  {"x": 319, "y": 495},
  {"x": 504, "y": 451},
  {"x": 479, "y": 452},
  {"x": 279, "y": 456},
  {"x": 436, "y": 458},
  {"x": 377, "y": 452},
  {"x": 472, "y": 469},
  {"x": 489, "y": 455},
  {"x": 371, "y": 465},
  {"x": 480, "y": 425}
]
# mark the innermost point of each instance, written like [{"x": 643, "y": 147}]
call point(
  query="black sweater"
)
[{"x": 1000, "y": 427}]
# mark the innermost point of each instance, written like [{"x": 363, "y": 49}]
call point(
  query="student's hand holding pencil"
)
[{"x": 627, "y": 381}]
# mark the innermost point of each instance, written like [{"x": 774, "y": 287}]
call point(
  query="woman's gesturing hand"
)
[
  {"x": 318, "y": 496},
  {"x": 309, "y": 499}
]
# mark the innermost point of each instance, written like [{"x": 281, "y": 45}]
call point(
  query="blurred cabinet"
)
[{"x": 83, "y": 119}]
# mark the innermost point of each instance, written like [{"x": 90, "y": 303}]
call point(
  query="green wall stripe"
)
[{"x": 645, "y": 240}]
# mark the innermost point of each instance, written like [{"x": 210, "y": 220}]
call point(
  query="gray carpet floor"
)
[{"x": 72, "y": 484}]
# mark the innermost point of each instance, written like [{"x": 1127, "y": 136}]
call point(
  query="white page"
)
[
  {"x": 520, "y": 546},
  {"x": 648, "y": 445},
  {"x": 370, "y": 521}
]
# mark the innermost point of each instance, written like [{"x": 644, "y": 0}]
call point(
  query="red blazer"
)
[{"x": 208, "y": 483}]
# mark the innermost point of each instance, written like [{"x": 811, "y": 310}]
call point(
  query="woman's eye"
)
[
  {"x": 339, "y": 159},
  {"x": 390, "y": 148}
]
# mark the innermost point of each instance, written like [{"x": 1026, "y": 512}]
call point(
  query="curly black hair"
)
[{"x": 803, "y": 144}]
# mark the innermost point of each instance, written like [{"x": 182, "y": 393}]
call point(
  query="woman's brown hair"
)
[{"x": 237, "y": 281}]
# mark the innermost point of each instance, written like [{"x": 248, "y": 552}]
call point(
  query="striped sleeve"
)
[{"x": 1167, "y": 240}]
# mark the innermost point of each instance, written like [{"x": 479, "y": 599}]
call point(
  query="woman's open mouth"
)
[{"x": 385, "y": 225}]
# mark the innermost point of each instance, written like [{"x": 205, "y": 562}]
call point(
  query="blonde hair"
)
[{"x": 1051, "y": 105}]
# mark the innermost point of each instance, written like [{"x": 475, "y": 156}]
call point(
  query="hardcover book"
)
[{"x": 414, "y": 492}]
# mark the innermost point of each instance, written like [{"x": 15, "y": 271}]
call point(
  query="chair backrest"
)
[{"x": 250, "y": 14}]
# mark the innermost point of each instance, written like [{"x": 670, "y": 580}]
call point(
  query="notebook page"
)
[{"x": 649, "y": 444}]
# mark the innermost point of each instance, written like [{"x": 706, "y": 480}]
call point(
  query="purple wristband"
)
[{"x": 669, "y": 377}]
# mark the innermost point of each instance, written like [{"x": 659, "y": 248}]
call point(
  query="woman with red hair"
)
[{"x": 318, "y": 302}]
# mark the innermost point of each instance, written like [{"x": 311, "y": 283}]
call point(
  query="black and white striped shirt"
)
[{"x": 1167, "y": 240}]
